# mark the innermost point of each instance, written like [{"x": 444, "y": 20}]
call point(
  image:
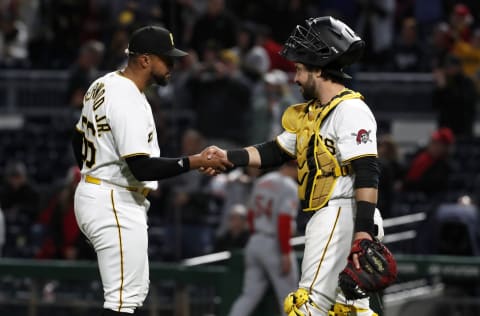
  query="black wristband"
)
[
  {"x": 186, "y": 163},
  {"x": 239, "y": 157},
  {"x": 364, "y": 219}
]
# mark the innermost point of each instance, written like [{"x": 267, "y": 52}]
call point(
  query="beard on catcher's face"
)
[{"x": 308, "y": 88}]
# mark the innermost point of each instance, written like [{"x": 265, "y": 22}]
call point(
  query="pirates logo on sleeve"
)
[{"x": 362, "y": 136}]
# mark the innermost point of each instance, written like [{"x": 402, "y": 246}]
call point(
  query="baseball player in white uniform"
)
[
  {"x": 333, "y": 138},
  {"x": 116, "y": 147},
  {"x": 272, "y": 208}
]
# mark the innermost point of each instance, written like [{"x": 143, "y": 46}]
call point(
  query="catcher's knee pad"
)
[
  {"x": 294, "y": 301},
  {"x": 349, "y": 310}
]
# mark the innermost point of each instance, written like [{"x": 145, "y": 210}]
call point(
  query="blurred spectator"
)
[
  {"x": 93, "y": 21},
  {"x": 222, "y": 99},
  {"x": 61, "y": 236},
  {"x": 18, "y": 196},
  {"x": 179, "y": 16},
  {"x": 408, "y": 53},
  {"x": 273, "y": 48},
  {"x": 254, "y": 60},
  {"x": 13, "y": 42},
  {"x": 268, "y": 107},
  {"x": 461, "y": 20},
  {"x": 469, "y": 55},
  {"x": 115, "y": 56},
  {"x": 440, "y": 45},
  {"x": 174, "y": 95},
  {"x": 375, "y": 27},
  {"x": 64, "y": 18},
  {"x": 391, "y": 174},
  {"x": 403, "y": 9},
  {"x": 454, "y": 98},
  {"x": 231, "y": 189},
  {"x": 452, "y": 229},
  {"x": 188, "y": 207},
  {"x": 473, "y": 5},
  {"x": 135, "y": 13},
  {"x": 458, "y": 228},
  {"x": 237, "y": 233},
  {"x": 83, "y": 72},
  {"x": 216, "y": 27},
  {"x": 19, "y": 200},
  {"x": 430, "y": 168}
]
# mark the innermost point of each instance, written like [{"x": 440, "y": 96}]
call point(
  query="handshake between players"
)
[
  {"x": 212, "y": 161},
  {"x": 215, "y": 160}
]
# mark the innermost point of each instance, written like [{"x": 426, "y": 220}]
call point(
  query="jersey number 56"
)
[{"x": 88, "y": 152}]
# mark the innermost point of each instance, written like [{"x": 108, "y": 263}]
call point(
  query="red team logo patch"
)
[{"x": 362, "y": 136}]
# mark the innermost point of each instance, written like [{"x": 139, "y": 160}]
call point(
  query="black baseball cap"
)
[{"x": 154, "y": 40}]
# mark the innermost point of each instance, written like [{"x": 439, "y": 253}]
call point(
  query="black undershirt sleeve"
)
[
  {"x": 77, "y": 147},
  {"x": 272, "y": 155},
  {"x": 145, "y": 168},
  {"x": 367, "y": 172}
]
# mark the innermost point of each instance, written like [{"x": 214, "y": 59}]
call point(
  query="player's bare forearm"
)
[
  {"x": 370, "y": 196},
  {"x": 264, "y": 155},
  {"x": 367, "y": 195},
  {"x": 254, "y": 157}
]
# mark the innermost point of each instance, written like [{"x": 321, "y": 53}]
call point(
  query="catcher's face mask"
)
[{"x": 324, "y": 42}]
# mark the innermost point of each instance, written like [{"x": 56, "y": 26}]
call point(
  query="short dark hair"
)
[{"x": 327, "y": 74}]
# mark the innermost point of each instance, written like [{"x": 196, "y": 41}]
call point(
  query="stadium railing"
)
[{"x": 192, "y": 290}]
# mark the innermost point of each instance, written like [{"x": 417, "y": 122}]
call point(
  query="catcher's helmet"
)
[{"x": 325, "y": 42}]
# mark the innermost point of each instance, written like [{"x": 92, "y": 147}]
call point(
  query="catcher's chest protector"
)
[{"x": 318, "y": 169}]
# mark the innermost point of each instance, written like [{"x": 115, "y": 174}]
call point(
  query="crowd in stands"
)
[{"x": 234, "y": 80}]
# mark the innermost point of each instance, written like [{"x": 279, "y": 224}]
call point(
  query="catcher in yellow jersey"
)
[{"x": 333, "y": 138}]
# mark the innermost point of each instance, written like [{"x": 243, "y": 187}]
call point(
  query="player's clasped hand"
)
[
  {"x": 214, "y": 161},
  {"x": 211, "y": 154}
]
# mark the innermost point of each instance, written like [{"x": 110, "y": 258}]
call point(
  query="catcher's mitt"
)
[{"x": 378, "y": 269}]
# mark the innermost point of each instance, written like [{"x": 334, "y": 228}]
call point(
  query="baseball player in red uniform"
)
[
  {"x": 333, "y": 138},
  {"x": 116, "y": 147},
  {"x": 272, "y": 214}
]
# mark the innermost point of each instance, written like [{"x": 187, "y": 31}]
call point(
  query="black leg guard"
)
[{"x": 109, "y": 312}]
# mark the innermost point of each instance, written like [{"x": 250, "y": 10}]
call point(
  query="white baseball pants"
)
[{"x": 115, "y": 222}]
